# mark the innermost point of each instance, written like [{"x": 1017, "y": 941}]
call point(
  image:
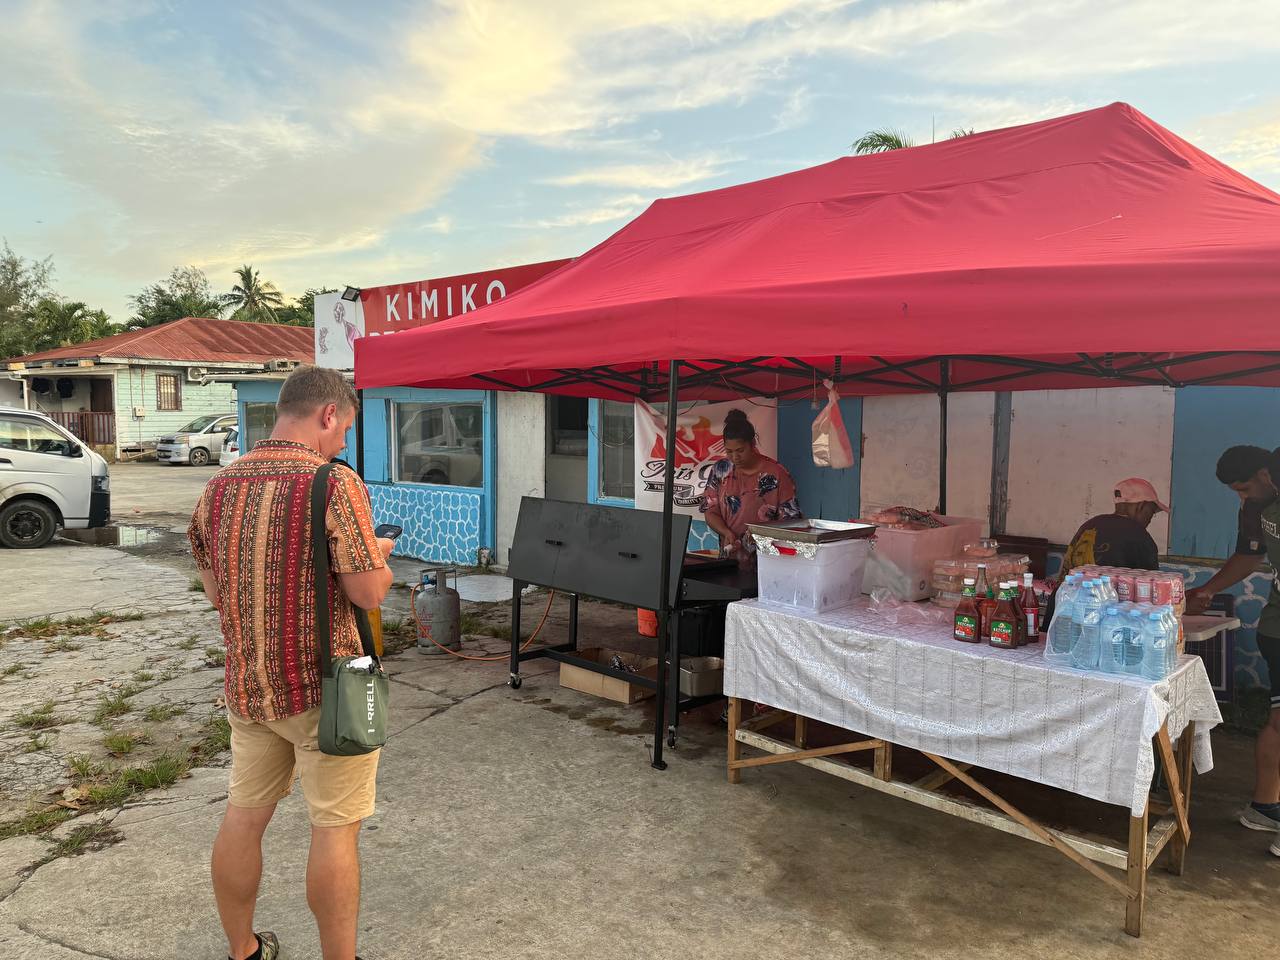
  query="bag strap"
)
[{"x": 320, "y": 567}]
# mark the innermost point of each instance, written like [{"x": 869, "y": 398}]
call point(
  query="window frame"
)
[
  {"x": 482, "y": 452},
  {"x": 72, "y": 446},
  {"x": 177, "y": 393}
]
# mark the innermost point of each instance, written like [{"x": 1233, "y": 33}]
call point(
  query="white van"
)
[{"x": 48, "y": 479}]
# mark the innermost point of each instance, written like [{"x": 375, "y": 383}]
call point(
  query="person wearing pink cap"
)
[{"x": 1120, "y": 538}]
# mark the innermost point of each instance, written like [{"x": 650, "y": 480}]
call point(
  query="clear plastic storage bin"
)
[
  {"x": 827, "y": 576},
  {"x": 906, "y": 558}
]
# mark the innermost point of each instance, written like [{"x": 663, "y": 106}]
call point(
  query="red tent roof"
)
[
  {"x": 1045, "y": 255},
  {"x": 194, "y": 340}
]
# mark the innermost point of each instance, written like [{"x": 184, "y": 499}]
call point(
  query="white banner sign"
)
[
  {"x": 339, "y": 324},
  {"x": 699, "y": 444}
]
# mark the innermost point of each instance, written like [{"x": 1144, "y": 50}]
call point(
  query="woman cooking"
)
[{"x": 746, "y": 487}]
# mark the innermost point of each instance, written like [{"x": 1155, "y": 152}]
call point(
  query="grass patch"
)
[
  {"x": 195, "y": 586},
  {"x": 11, "y": 669},
  {"x": 471, "y": 625},
  {"x": 37, "y": 718},
  {"x": 82, "y": 767},
  {"x": 164, "y": 771},
  {"x": 122, "y": 744},
  {"x": 46, "y": 628},
  {"x": 111, "y": 793},
  {"x": 116, "y": 705},
  {"x": 33, "y": 823},
  {"x": 85, "y": 839},
  {"x": 499, "y": 632},
  {"x": 62, "y": 645},
  {"x": 160, "y": 712},
  {"x": 188, "y": 644},
  {"x": 215, "y": 738},
  {"x": 142, "y": 676},
  {"x": 215, "y": 656},
  {"x": 35, "y": 744}
]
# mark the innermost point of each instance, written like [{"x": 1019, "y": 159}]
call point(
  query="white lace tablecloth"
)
[{"x": 1003, "y": 710}]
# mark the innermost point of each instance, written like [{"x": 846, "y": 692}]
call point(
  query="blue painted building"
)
[{"x": 434, "y": 465}]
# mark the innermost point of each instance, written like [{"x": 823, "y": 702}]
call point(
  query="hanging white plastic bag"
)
[{"x": 831, "y": 447}]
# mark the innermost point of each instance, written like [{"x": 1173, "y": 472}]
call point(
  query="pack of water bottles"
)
[{"x": 1093, "y": 629}]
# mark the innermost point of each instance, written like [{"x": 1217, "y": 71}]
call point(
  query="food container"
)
[
  {"x": 701, "y": 676},
  {"x": 811, "y": 531},
  {"x": 811, "y": 576},
  {"x": 905, "y": 558}
]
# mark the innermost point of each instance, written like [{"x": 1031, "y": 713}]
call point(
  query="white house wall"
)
[
  {"x": 522, "y": 451},
  {"x": 136, "y": 387},
  {"x": 900, "y": 453},
  {"x": 1068, "y": 448}
]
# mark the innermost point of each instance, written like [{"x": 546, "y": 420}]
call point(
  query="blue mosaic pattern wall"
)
[{"x": 441, "y": 524}]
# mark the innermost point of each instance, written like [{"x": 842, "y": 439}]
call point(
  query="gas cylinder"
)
[{"x": 439, "y": 611}]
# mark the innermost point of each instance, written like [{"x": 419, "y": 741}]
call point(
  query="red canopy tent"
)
[
  {"x": 1097, "y": 248},
  {"x": 1090, "y": 250}
]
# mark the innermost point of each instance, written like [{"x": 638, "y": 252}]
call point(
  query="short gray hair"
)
[{"x": 309, "y": 388}]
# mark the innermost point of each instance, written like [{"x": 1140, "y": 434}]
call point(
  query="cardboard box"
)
[{"x": 609, "y": 688}]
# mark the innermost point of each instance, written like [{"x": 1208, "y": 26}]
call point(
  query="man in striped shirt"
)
[{"x": 251, "y": 538}]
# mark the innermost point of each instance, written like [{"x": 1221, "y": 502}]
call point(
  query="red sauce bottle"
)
[
  {"x": 1030, "y": 605},
  {"x": 1005, "y": 620},
  {"x": 968, "y": 620}
]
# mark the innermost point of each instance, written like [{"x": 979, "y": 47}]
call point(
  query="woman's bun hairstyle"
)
[{"x": 738, "y": 427}]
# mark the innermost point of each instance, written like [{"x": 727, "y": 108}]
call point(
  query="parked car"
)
[
  {"x": 199, "y": 443},
  {"x": 230, "y": 449},
  {"x": 48, "y": 479}
]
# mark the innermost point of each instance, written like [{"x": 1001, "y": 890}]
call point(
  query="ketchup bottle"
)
[
  {"x": 968, "y": 621},
  {"x": 1030, "y": 604},
  {"x": 1005, "y": 622}
]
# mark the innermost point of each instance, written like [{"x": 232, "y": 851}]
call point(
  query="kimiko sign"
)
[{"x": 406, "y": 305}]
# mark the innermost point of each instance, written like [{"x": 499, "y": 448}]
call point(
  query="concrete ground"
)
[{"x": 528, "y": 824}]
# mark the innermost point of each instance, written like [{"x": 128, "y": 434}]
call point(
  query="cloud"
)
[
  {"x": 1248, "y": 139},
  {"x": 616, "y": 208},
  {"x": 658, "y": 175}
]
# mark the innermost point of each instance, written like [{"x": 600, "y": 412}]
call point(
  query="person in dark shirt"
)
[
  {"x": 1248, "y": 471},
  {"x": 1119, "y": 539}
]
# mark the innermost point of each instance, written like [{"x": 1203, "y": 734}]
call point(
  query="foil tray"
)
[{"x": 812, "y": 531}]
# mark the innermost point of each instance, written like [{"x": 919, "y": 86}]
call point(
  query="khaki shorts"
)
[{"x": 266, "y": 756}]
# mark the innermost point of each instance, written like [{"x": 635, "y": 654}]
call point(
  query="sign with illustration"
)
[{"x": 699, "y": 445}]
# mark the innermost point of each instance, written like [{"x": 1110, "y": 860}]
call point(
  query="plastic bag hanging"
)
[{"x": 831, "y": 447}]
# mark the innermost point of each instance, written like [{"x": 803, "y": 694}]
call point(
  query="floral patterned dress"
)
[{"x": 760, "y": 497}]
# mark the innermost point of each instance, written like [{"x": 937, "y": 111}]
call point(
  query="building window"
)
[
  {"x": 168, "y": 392},
  {"x": 259, "y": 421},
  {"x": 617, "y": 450},
  {"x": 439, "y": 443}
]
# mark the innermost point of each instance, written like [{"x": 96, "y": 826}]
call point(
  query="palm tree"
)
[
  {"x": 887, "y": 138},
  {"x": 254, "y": 298},
  {"x": 879, "y": 141},
  {"x": 63, "y": 323}
]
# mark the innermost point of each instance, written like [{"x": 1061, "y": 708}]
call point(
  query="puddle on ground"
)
[{"x": 124, "y": 535}]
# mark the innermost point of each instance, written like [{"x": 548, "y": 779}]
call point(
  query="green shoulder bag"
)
[{"x": 353, "y": 700}]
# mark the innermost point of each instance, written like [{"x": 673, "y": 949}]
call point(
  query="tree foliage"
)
[
  {"x": 882, "y": 140},
  {"x": 253, "y": 298},
  {"x": 186, "y": 293},
  {"x": 61, "y": 323},
  {"x": 23, "y": 283}
]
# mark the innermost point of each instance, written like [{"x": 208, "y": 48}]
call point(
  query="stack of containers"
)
[{"x": 1157, "y": 588}]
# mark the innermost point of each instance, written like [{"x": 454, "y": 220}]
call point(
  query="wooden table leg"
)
[
  {"x": 802, "y": 731},
  {"x": 735, "y": 716},
  {"x": 1178, "y": 845},
  {"x": 884, "y": 761},
  {"x": 1137, "y": 874}
]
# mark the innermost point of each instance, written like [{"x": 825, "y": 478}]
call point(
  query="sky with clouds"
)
[{"x": 329, "y": 143}]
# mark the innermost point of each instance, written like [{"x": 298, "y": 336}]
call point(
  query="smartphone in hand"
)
[{"x": 387, "y": 531}]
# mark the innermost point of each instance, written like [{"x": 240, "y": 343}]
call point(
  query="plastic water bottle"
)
[
  {"x": 1170, "y": 621},
  {"x": 1057, "y": 647},
  {"x": 1108, "y": 589},
  {"x": 1135, "y": 641},
  {"x": 1086, "y": 647},
  {"x": 1115, "y": 640},
  {"x": 1155, "y": 653}
]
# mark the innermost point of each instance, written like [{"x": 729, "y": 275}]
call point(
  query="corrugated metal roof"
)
[{"x": 194, "y": 340}]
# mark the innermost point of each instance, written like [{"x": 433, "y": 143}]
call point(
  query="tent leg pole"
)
[
  {"x": 944, "y": 386},
  {"x": 360, "y": 434},
  {"x": 664, "y": 591}
]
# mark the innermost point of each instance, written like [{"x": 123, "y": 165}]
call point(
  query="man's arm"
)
[
  {"x": 369, "y": 588},
  {"x": 1237, "y": 568}
]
